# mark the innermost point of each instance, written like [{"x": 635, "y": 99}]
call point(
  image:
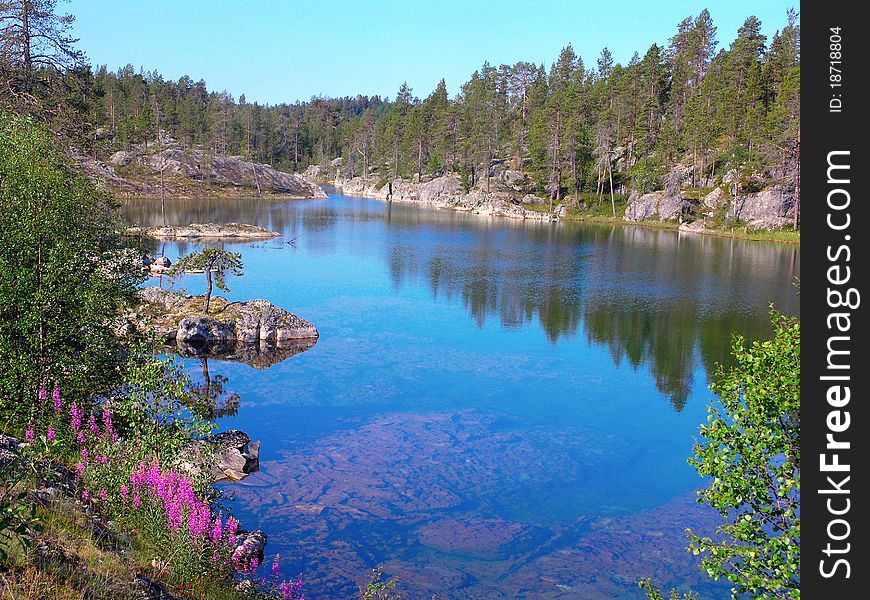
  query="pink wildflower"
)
[
  {"x": 124, "y": 492},
  {"x": 28, "y": 435},
  {"x": 136, "y": 501},
  {"x": 217, "y": 530},
  {"x": 55, "y": 395},
  {"x": 104, "y": 495},
  {"x": 50, "y": 434},
  {"x": 75, "y": 417},
  {"x": 92, "y": 425},
  {"x": 80, "y": 469},
  {"x": 43, "y": 395},
  {"x": 85, "y": 495},
  {"x": 80, "y": 438},
  {"x": 85, "y": 455},
  {"x": 276, "y": 566}
]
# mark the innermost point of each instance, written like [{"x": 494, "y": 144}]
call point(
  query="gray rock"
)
[
  {"x": 657, "y": 206},
  {"x": 202, "y": 329},
  {"x": 226, "y": 456},
  {"x": 643, "y": 208},
  {"x": 771, "y": 208},
  {"x": 228, "y": 170},
  {"x": 716, "y": 198},
  {"x": 250, "y": 322},
  {"x": 205, "y": 230},
  {"x": 121, "y": 158},
  {"x": 249, "y": 545}
]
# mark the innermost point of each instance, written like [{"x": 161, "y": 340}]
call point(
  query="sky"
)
[{"x": 284, "y": 51}]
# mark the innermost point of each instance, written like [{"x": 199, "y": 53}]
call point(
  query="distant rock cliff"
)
[
  {"x": 446, "y": 192},
  {"x": 190, "y": 172}
]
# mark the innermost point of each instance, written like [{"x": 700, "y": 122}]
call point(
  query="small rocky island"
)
[
  {"x": 204, "y": 230},
  {"x": 255, "y": 332}
]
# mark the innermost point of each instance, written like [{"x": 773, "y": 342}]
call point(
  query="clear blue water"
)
[{"x": 495, "y": 408}]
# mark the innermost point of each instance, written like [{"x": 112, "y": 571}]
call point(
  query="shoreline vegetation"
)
[{"x": 590, "y": 211}]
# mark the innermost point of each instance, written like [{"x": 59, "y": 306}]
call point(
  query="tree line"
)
[{"x": 572, "y": 128}]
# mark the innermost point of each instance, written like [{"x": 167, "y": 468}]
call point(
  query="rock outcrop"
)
[
  {"x": 446, "y": 192},
  {"x": 226, "y": 456},
  {"x": 657, "y": 206},
  {"x": 186, "y": 170},
  {"x": 227, "y": 170},
  {"x": 179, "y": 318},
  {"x": 204, "y": 230},
  {"x": 772, "y": 208}
]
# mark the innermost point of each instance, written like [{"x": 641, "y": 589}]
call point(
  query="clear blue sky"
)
[{"x": 283, "y": 51}]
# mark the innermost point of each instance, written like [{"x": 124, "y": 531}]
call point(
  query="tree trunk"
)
[
  {"x": 207, "y": 299},
  {"x": 612, "y": 199},
  {"x": 256, "y": 179},
  {"x": 25, "y": 32},
  {"x": 797, "y": 185},
  {"x": 419, "y": 161}
]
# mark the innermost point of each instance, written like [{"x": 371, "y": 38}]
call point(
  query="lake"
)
[{"x": 495, "y": 408}]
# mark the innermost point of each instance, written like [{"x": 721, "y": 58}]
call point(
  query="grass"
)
[{"x": 76, "y": 557}]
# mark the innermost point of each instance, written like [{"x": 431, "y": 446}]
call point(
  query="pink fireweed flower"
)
[
  {"x": 276, "y": 566},
  {"x": 104, "y": 495},
  {"x": 55, "y": 396},
  {"x": 75, "y": 417},
  {"x": 85, "y": 455},
  {"x": 80, "y": 438},
  {"x": 232, "y": 526},
  {"x": 50, "y": 434},
  {"x": 85, "y": 495},
  {"x": 43, "y": 395},
  {"x": 124, "y": 492},
  {"x": 136, "y": 501},
  {"x": 291, "y": 590},
  {"x": 28, "y": 435},
  {"x": 217, "y": 530},
  {"x": 255, "y": 562},
  {"x": 80, "y": 469},
  {"x": 103, "y": 460},
  {"x": 92, "y": 425},
  {"x": 107, "y": 422}
]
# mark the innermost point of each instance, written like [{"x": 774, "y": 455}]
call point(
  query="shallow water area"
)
[{"x": 495, "y": 408}]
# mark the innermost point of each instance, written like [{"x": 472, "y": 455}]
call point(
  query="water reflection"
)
[{"x": 655, "y": 298}]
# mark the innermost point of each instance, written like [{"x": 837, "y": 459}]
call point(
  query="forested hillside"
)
[{"x": 574, "y": 127}]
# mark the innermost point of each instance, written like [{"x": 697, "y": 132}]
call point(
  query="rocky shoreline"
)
[
  {"x": 204, "y": 230},
  {"x": 446, "y": 192},
  {"x": 707, "y": 210}
]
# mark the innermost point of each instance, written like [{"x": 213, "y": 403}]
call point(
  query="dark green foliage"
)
[
  {"x": 692, "y": 101},
  {"x": 57, "y": 292}
]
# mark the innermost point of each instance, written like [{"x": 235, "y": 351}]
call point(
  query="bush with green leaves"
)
[
  {"x": 750, "y": 453},
  {"x": 57, "y": 232}
]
